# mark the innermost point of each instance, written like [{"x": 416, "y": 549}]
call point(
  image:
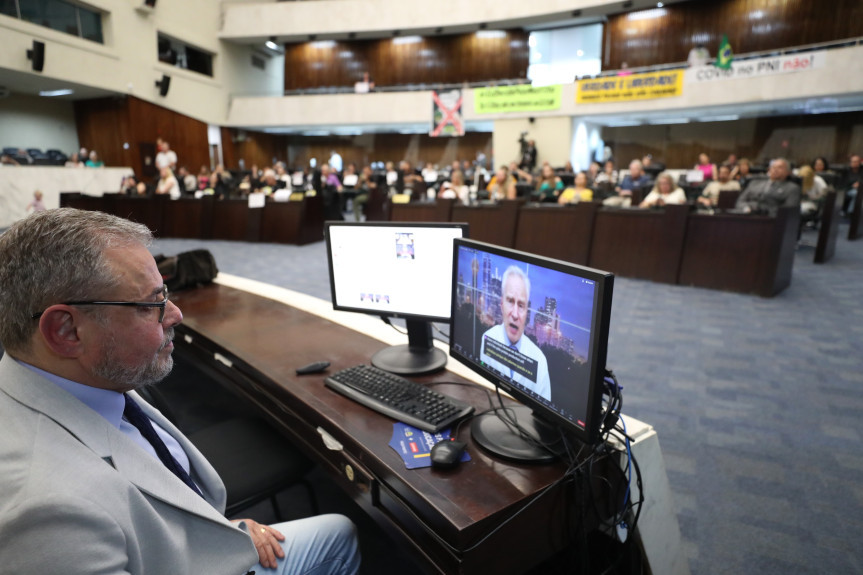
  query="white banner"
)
[{"x": 758, "y": 67}]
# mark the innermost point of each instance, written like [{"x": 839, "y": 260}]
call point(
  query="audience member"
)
[
  {"x": 129, "y": 185},
  {"x": 664, "y": 192},
  {"x": 497, "y": 185},
  {"x": 392, "y": 178},
  {"x": 812, "y": 190},
  {"x": 74, "y": 161},
  {"x": 821, "y": 166},
  {"x": 203, "y": 178},
  {"x": 521, "y": 176},
  {"x": 36, "y": 205},
  {"x": 651, "y": 166},
  {"x": 705, "y": 167},
  {"x": 607, "y": 179},
  {"x": 220, "y": 180},
  {"x": 94, "y": 161},
  {"x": 364, "y": 86},
  {"x": 75, "y": 470},
  {"x": 731, "y": 162},
  {"x": 592, "y": 172},
  {"x": 578, "y": 193},
  {"x": 698, "y": 56},
  {"x": 269, "y": 183},
  {"x": 635, "y": 179},
  {"x": 710, "y": 195},
  {"x": 548, "y": 186},
  {"x": 744, "y": 174},
  {"x": 767, "y": 196},
  {"x": 851, "y": 183},
  {"x": 168, "y": 184},
  {"x": 165, "y": 156},
  {"x": 366, "y": 184},
  {"x": 188, "y": 182},
  {"x": 456, "y": 189},
  {"x": 408, "y": 177}
]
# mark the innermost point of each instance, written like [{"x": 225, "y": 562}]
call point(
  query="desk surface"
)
[{"x": 470, "y": 520}]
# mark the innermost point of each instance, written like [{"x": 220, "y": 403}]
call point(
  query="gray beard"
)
[{"x": 134, "y": 377}]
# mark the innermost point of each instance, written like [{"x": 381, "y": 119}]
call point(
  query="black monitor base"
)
[
  {"x": 494, "y": 435},
  {"x": 418, "y": 357}
]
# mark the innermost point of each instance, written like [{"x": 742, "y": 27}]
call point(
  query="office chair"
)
[{"x": 254, "y": 461}]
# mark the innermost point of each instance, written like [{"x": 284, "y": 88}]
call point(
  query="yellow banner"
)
[
  {"x": 523, "y": 98},
  {"x": 628, "y": 88}
]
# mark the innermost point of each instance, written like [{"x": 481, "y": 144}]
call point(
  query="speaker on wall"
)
[
  {"x": 150, "y": 3},
  {"x": 36, "y": 55},
  {"x": 164, "y": 84}
]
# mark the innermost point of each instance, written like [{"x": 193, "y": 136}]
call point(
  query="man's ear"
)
[{"x": 60, "y": 330}]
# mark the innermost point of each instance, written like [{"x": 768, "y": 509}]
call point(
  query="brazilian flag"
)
[{"x": 725, "y": 55}]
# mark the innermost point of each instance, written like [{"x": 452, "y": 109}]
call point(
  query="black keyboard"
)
[{"x": 399, "y": 398}]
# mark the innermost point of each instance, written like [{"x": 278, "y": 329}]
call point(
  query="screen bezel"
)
[
  {"x": 599, "y": 338},
  {"x": 384, "y": 313}
]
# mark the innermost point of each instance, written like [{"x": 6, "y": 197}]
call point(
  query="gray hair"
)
[
  {"x": 56, "y": 256},
  {"x": 517, "y": 271}
]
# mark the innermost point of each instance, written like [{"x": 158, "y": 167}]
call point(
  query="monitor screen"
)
[
  {"x": 395, "y": 270},
  {"x": 536, "y": 327}
]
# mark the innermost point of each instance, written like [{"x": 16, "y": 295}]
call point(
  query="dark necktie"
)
[{"x": 139, "y": 419}]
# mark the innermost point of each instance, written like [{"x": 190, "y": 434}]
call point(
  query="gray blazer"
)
[{"x": 78, "y": 496}]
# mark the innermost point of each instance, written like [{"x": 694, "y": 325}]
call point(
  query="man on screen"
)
[{"x": 504, "y": 346}]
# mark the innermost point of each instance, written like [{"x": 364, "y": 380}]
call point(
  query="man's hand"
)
[{"x": 266, "y": 541}]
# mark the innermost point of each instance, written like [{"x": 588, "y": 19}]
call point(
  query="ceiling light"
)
[
  {"x": 271, "y": 43},
  {"x": 407, "y": 40},
  {"x": 490, "y": 34},
  {"x": 53, "y": 93}
]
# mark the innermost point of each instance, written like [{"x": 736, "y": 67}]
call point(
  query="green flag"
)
[{"x": 725, "y": 55}]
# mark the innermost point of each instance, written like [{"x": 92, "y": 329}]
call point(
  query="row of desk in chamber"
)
[{"x": 724, "y": 251}]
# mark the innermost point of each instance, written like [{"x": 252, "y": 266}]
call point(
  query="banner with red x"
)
[{"x": 446, "y": 114}]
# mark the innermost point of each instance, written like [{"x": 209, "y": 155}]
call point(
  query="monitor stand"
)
[
  {"x": 419, "y": 356},
  {"x": 499, "y": 438}
]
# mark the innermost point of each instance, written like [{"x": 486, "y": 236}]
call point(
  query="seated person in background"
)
[
  {"x": 91, "y": 467},
  {"x": 409, "y": 177},
  {"x": 744, "y": 173},
  {"x": 168, "y": 184},
  {"x": 392, "y": 177},
  {"x": 220, "y": 181},
  {"x": 710, "y": 196},
  {"x": 607, "y": 178},
  {"x": 203, "y": 179},
  {"x": 188, "y": 182},
  {"x": 429, "y": 174},
  {"x": 74, "y": 161},
  {"x": 636, "y": 178},
  {"x": 37, "y": 205},
  {"x": 366, "y": 184},
  {"x": 497, "y": 185},
  {"x": 467, "y": 168},
  {"x": 652, "y": 167},
  {"x": 94, "y": 161},
  {"x": 548, "y": 185},
  {"x": 821, "y": 166},
  {"x": 579, "y": 193},
  {"x": 269, "y": 183},
  {"x": 592, "y": 172},
  {"x": 129, "y": 186},
  {"x": 705, "y": 167},
  {"x": 283, "y": 175},
  {"x": 851, "y": 183},
  {"x": 520, "y": 175},
  {"x": 455, "y": 189},
  {"x": 812, "y": 190},
  {"x": 255, "y": 176},
  {"x": 329, "y": 179},
  {"x": 771, "y": 194},
  {"x": 567, "y": 168},
  {"x": 664, "y": 192}
]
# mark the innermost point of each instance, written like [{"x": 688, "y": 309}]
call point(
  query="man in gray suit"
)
[
  {"x": 771, "y": 194},
  {"x": 92, "y": 479}
]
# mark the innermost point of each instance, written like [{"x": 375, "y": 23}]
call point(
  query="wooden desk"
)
[
  {"x": 438, "y": 211},
  {"x": 494, "y": 224},
  {"x": 739, "y": 252},
  {"x": 640, "y": 243},
  {"x": 440, "y": 515},
  {"x": 563, "y": 233}
]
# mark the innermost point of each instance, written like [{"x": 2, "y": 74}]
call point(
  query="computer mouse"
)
[
  {"x": 447, "y": 454},
  {"x": 316, "y": 367}
]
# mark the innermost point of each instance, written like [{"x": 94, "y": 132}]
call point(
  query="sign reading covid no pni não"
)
[
  {"x": 504, "y": 99},
  {"x": 759, "y": 67},
  {"x": 629, "y": 88}
]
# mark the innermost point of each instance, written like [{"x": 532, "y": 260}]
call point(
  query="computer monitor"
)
[
  {"x": 398, "y": 270},
  {"x": 538, "y": 329}
]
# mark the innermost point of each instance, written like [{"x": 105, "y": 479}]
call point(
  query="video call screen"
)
[
  {"x": 527, "y": 325},
  {"x": 393, "y": 270}
]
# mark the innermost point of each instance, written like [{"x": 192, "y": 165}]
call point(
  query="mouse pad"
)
[{"x": 414, "y": 445}]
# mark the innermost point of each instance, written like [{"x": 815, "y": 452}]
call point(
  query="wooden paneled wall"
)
[
  {"x": 799, "y": 138},
  {"x": 254, "y": 148},
  {"x": 107, "y": 124},
  {"x": 407, "y": 60},
  {"x": 664, "y": 35}
]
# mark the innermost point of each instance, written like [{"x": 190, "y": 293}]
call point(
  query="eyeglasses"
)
[{"x": 157, "y": 304}]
